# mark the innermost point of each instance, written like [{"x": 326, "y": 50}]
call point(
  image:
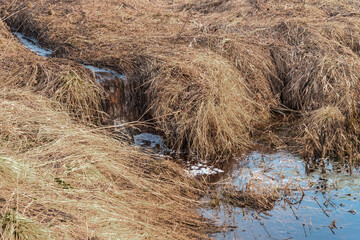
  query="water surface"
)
[{"x": 329, "y": 208}]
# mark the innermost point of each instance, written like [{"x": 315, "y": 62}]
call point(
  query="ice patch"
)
[
  {"x": 150, "y": 141},
  {"x": 33, "y": 45},
  {"x": 104, "y": 72}
]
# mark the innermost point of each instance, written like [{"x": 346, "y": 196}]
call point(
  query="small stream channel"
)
[
  {"x": 106, "y": 77},
  {"x": 326, "y": 207}
]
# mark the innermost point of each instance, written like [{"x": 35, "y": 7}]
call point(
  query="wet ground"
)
[{"x": 328, "y": 209}]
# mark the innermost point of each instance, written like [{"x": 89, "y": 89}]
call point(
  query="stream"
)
[{"x": 326, "y": 207}]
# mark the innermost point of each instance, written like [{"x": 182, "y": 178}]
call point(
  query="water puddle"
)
[
  {"x": 156, "y": 144},
  {"x": 314, "y": 205},
  {"x": 151, "y": 141}
]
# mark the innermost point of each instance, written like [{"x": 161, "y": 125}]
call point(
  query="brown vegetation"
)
[
  {"x": 69, "y": 181},
  {"x": 254, "y": 190},
  {"x": 301, "y": 55},
  {"x": 62, "y": 178},
  {"x": 208, "y": 74},
  {"x": 151, "y": 44}
]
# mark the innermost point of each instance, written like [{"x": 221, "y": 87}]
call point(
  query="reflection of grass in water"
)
[
  {"x": 255, "y": 191},
  {"x": 267, "y": 190}
]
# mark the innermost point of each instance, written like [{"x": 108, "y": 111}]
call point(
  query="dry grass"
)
[
  {"x": 80, "y": 183},
  {"x": 255, "y": 195},
  {"x": 207, "y": 73},
  {"x": 301, "y": 55},
  {"x": 314, "y": 49},
  {"x": 328, "y": 132},
  {"x": 202, "y": 107},
  {"x": 67, "y": 181},
  {"x": 157, "y": 63},
  {"x": 254, "y": 190}
]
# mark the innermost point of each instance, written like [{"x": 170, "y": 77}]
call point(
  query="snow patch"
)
[
  {"x": 202, "y": 169},
  {"x": 104, "y": 73}
]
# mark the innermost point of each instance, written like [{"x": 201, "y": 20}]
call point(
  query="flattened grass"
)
[{"x": 78, "y": 182}]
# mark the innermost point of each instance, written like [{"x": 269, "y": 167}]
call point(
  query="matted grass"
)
[
  {"x": 203, "y": 103},
  {"x": 77, "y": 182},
  {"x": 301, "y": 56},
  {"x": 208, "y": 74}
]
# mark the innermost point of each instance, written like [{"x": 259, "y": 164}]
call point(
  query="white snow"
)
[{"x": 202, "y": 169}]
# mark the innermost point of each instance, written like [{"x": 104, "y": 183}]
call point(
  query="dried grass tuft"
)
[
  {"x": 329, "y": 132},
  {"x": 202, "y": 103}
]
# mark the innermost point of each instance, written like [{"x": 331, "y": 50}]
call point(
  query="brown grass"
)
[
  {"x": 202, "y": 107},
  {"x": 205, "y": 125},
  {"x": 254, "y": 190},
  {"x": 208, "y": 74},
  {"x": 67, "y": 181},
  {"x": 77, "y": 182},
  {"x": 63, "y": 80},
  {"x": 328, "y": 132},
  {"x": 301, "y": 55}
]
